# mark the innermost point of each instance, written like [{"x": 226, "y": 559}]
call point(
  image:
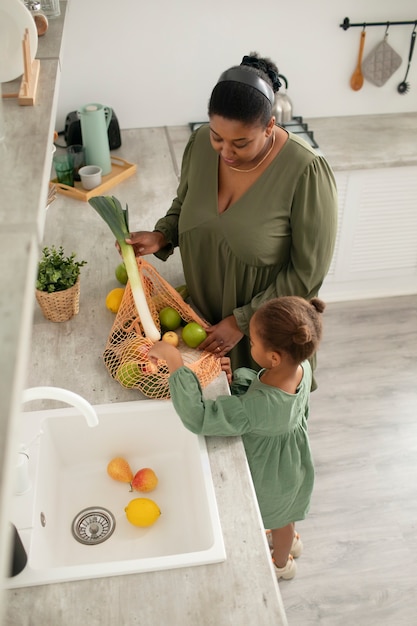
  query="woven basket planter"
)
[{"x": 60, "y": 306}]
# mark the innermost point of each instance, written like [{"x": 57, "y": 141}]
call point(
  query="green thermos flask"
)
[{"x": 95, "y": 119}]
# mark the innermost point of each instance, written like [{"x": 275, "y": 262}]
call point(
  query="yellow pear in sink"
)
[{"x": 119, "y": 469}]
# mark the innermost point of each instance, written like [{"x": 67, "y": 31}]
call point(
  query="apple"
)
[
  {"x": 137, "y": 349},
  {"x": 144, "y": 480},
  {"x": 149, "y": 367},
  {"x": 129, "y": 374},
  {"x": 170, "y": 318},
  {"x": 193, "y": 334},
  {"x": 155, "y": 386},
  {"x": 171, "y": 337}
]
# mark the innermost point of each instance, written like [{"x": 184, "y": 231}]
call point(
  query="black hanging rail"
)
[{"x": 346, "y": 24}]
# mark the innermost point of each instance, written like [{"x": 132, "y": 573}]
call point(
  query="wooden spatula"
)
[{"x": 356, "y": 80}]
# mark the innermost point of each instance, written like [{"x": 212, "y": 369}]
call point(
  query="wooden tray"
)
[{"x": 120, "y": 170}]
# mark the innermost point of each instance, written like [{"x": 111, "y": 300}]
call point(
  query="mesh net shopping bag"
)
[{"x": 126, "y": 351}]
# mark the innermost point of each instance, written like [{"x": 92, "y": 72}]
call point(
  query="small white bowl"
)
[{"x": 90, "y": 176}]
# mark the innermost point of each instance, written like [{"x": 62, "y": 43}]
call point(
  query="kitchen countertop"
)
[
  {"x": 367, "y": 141},
  {"x": 25, "y": 157}
]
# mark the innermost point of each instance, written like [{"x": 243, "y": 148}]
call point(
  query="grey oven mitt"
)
[{"x": 381, "y": 63}]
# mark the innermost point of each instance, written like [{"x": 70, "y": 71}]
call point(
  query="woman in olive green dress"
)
[{"x": 255, "y": 215}]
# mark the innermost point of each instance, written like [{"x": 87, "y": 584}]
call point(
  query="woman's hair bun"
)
[{"x": 266, "y": 66}]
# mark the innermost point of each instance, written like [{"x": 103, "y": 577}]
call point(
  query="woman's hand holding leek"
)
[{"x": 145, "y": 242}]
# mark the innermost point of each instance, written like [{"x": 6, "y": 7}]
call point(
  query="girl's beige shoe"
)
[
  {"x": 288, "y": 571},
  {"x": 296, "y": 548}
]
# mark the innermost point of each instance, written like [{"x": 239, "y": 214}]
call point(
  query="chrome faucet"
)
[{"x": 63, "y": 395}]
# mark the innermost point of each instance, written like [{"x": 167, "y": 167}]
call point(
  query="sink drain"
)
[{"x": 93, "y": 525}]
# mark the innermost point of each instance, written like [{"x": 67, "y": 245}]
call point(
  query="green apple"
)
[
  {"x": 170, "y": 318},
  {"x": 193, "y": 334},
  {"x": 129, "y": 374}
]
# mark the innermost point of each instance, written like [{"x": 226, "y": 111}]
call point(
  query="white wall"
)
[{"x": 156, "y": 61}]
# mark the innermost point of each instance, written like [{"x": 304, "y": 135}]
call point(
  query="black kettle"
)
[{"x": 282, "y": 108}]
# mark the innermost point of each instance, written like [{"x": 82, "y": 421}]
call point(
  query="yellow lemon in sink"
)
[{"x": 142, "y": 512}]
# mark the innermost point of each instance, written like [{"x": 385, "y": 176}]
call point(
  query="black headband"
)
[{"x": 239, "y": 75}]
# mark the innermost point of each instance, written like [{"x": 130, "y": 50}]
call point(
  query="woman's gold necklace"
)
[{"x": 260, "y": 162}]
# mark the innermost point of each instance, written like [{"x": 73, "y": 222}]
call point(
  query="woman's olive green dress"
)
[{"x": 276, "y": 240}]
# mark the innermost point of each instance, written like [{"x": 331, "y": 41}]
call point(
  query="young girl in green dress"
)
[{"x": 269, "y": 409}]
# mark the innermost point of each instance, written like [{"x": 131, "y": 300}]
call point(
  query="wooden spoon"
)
[{"x": 356, "y": 80}]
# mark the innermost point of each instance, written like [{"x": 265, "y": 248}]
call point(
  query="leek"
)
[{"x": 117, "y": 218}]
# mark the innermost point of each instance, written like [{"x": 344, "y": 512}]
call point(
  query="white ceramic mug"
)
[{"x": 90, "y": 176}]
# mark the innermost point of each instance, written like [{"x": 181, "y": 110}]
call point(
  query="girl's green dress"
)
[{"x": 273, "y": 426}]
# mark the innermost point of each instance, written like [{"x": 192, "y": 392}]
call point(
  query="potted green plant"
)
[{"x": 58, "y": 284}]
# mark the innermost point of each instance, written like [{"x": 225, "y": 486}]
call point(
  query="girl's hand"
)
[
  {"x": 222, "y": 337},
  {"x": 225, "y": 364},
  {"x": 166, "y": 352},
  {"x": 145, "y": 242}
]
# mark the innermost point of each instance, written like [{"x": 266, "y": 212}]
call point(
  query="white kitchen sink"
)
[{"x": 68, "y": 473}]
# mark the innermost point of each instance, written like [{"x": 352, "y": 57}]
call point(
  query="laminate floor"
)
[{"x": 359, "y": 566}]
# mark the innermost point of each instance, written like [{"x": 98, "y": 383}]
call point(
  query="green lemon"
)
[
  {"x": 121, "y": 274},
  {"x": 193, "y": 334}
]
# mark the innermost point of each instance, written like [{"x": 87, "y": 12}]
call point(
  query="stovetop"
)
[
  {"x": 298, "y": 127},
  {"x": 295, "y": 125}
]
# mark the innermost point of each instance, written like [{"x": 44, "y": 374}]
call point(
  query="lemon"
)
[
  {"x": 129, "y": 374},
  {"x": 142, "y": 512},
  {"x": 121, "y": 273},
  {"x": 114, "y": 299}
]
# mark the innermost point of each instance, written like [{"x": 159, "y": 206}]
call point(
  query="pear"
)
[
  {"x": 145, "y": 480},
  {"x": 119, "y": 469}
]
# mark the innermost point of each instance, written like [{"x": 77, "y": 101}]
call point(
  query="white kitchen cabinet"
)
[{"x": 376, "y": 246}]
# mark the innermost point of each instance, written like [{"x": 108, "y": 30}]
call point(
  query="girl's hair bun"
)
[
  {"x": 290, "y": 324},
  {"x": 302, "y": 335},
  {"x": 318, "y": 304}
]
